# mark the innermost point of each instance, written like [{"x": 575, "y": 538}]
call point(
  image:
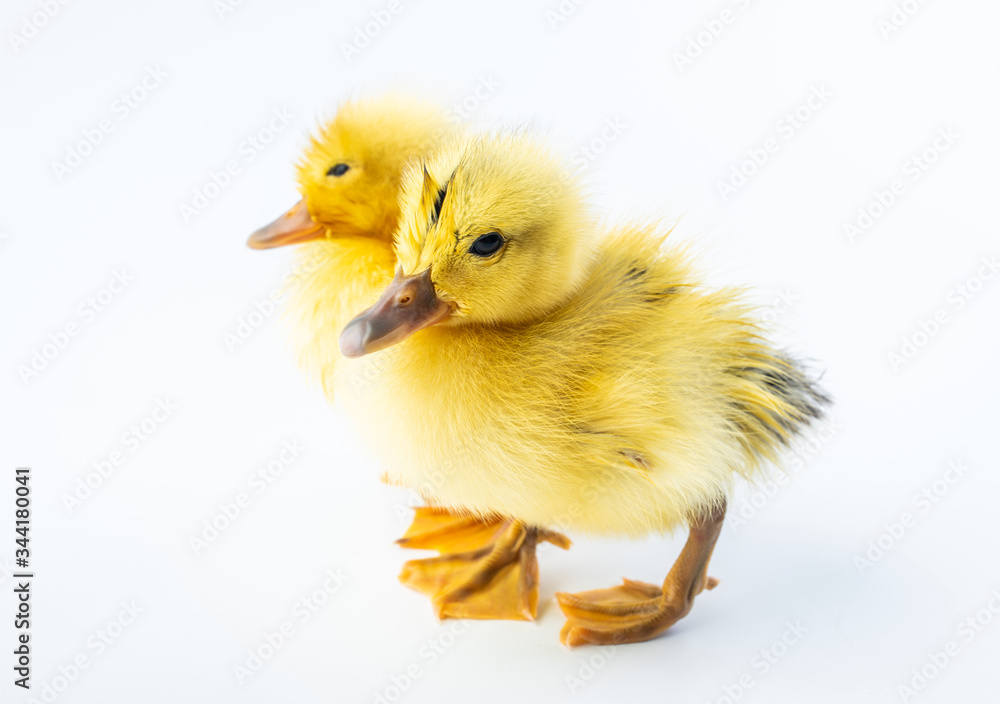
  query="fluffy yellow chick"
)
[
  {"x": 349, "y": 178},
  {"x": 585, "y": 381}
]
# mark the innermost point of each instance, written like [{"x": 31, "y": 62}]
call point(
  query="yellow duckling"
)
[
  {"x": 584, "y": 382},
  {"x": 349, "y": 178}
]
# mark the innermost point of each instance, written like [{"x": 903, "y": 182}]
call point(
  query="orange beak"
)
[
  {"x": 293, "y": 227},
  {"x": 408, "y": 304}
]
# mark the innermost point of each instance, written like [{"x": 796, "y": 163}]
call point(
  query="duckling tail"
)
[{"x": 774, "y": 401}]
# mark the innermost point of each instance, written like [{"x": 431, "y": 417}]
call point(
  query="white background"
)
[{"x": 683, "y": 131}]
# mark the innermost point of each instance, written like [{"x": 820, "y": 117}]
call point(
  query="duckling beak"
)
[
  {"x": 291, "y": 228},
  {"x": 409, "y": 304}
]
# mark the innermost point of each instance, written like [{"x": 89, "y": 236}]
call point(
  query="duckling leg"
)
[
  {"x": 487, "y": 569},
  {"x": 637, "y": 611}
]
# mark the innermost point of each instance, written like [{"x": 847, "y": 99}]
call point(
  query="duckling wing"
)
[{"x": 695, "y": 351}]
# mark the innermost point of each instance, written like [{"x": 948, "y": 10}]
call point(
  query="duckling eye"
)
[
  {"x": 486, "y": 245},
  {"x": 338, "y": 170}
]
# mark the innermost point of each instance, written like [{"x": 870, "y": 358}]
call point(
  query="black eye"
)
[
  {"x": 486, "y": 245},
  {"x": 338, "y": 170}
]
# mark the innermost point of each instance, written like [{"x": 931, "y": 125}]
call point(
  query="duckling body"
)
[{"x": 626, "y": 411}]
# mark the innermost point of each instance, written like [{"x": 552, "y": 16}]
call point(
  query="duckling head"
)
[
  {"x": 493, "y": 231},
  {"x": 350, "y": 174}
]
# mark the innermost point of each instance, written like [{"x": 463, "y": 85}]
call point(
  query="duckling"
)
[
  {"x": 350, "y": 178},
  {"x": 584, "y": 377}
]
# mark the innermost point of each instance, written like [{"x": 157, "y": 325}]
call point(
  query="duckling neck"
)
[
  {"x": 348, "y": 260},
  {"x": 337, "y": 279}
]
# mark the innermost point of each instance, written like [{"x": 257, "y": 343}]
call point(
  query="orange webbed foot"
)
[
  {"x": 637, "y": 611},
  {"x": 629, "y": 613},
  {"x": 487, "y": 569}
]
